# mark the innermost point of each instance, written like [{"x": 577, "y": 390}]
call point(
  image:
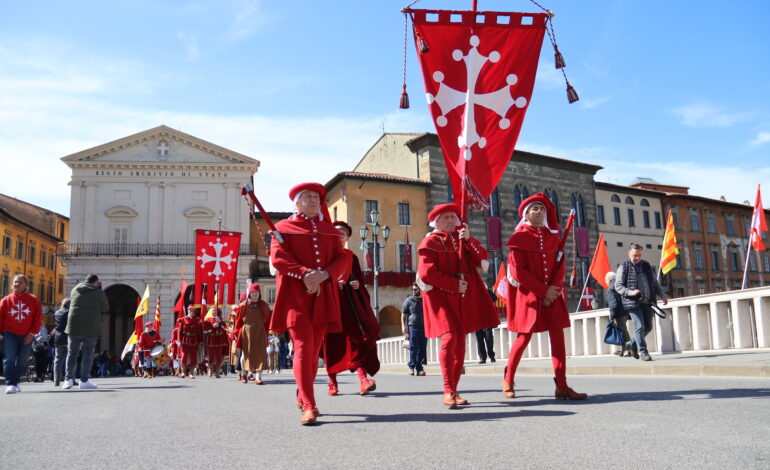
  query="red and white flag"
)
[
  {"x": 407, "y": 253},
  {"x": 587, "y": 299},
  {"x": 216, "y": 264},
  {"x": 758, "y": 224},
  {"x": 479, "y": 71},
  {"x": 502, "y": 285}
]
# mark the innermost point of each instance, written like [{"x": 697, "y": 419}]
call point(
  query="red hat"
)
[
  {"x": 552, "y": 218},
  {"x": 149, "y": 323},
  {"x": 315, "y": 187},
  {"x": 344, "y": 226},
  {"x": 252, "y": 288},
  {"x": 242, "y": 297},
  {"x": 442, "y": 208}
]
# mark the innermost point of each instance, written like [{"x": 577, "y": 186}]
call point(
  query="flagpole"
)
[
  {"x": 582, "y": 291},
  {"x": 746, "y": 266}
]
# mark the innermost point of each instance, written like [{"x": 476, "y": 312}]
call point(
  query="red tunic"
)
[
  {"x": 356, "y": 345},
  {"x": 216, "y": 336},
  {"x": 190, "y": 331},
  {"x": 530, "y": 262},
  {"x": 445, "y": 310},
  {"x": 308, "y": 244},
  {"x": 147, "y": 342},
  {"x": 173, "y": 346}
]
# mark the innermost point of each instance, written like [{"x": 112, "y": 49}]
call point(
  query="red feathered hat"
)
[
  {"x": 315, "y": 187},
  {"x": 440, "y": 209},
  {"x": 552, "y": 218},
  {"x": 344, "y": 226}
]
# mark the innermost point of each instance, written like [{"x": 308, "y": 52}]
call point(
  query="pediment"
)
[
  {"x": 160, "y": 144},
  {"x": 120, "y": 212},
  {"x": 199, "y": 213}
]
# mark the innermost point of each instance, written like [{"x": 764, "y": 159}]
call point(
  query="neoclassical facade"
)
[{"x": 135, "y": 204}]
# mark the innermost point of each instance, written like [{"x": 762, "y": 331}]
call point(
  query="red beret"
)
[
  {"x": 550, "y": 209},
  {"x": 149, "y": 323},
  {"x": 344, "y": 226},
  {"x": 442, "y": 208},
  {"x": 307, "y": 187}
]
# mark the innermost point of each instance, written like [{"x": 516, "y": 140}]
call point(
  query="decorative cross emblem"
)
[
  {"x": 163, "y": 148},
  {"x": 499, "y": 101},
  {"x": 19, "y": 312},
  {"x": 217, "y": 259}
]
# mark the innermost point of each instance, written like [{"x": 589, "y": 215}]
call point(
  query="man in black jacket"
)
[
  {"x": 413, "y": 328},
  {"x": 60, "y": 340},
  {"x": 638, "y": 288}
]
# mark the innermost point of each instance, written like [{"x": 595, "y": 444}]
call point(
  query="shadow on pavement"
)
[
  {"x": 666, "y": 395},
  {"x": 461, "y": 414}
]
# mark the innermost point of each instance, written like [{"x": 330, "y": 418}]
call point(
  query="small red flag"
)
[
  {"x": 758, "y": 224},
  {"x": 600, "y": 265},
  {"x": 408, "y": 253}
]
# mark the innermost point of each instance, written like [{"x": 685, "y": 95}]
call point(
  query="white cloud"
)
[
  {"x": 248, "y": 19},
  {"x": 708, "y": 115},
  {"x": 190, "y": 43},
  {"x": 762, "y": 138}
]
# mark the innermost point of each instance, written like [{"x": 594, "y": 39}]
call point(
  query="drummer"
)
[{"x": 147, "y": 341}]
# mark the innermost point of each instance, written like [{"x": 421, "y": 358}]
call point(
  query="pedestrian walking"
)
[
  {"x": 413, "y": 328},
  {"x": 21, "y": 316}
]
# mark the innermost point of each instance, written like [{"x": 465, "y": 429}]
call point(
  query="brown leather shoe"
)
[
  {"x": 460, "y": 400},
  {"x": 308, "y": 418},
  {"x": 568, "y": 394},
  {"x": 508, "y": 390},
  {"x": 259, "y": 382},
  {"x": 450, "y": 400}
]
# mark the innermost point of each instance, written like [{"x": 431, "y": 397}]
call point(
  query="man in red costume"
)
[
  {"x": 538, "y": 304},
  {"x": 456, "y": 301},
  {"x": 216, "y": 341},
  {"x": 191, "y": 336},
  {"x": 148, "y": 340},
  {"x": 355, "y": 348},
  {"x": 310, "y": 262}
]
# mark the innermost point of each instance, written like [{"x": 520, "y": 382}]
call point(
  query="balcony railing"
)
[{"x": 72, "y": 250}]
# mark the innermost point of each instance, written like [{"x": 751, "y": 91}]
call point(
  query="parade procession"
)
[{"x": 482, "y": 279}]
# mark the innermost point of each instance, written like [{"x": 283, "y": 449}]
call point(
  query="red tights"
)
[
  {"x": 361, "y": 376},
  {"x": 451, "y": 357},
  {"x": 307, "y": 340},
  {"x": 215, "y": 355},
  {"x": 558, "y": 355},
  {"x": 189, "y": 355}
]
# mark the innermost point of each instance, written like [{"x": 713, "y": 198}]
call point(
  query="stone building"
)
[
  {"x": 713, "y": 235},
  {"x": 135, "y": 205}
]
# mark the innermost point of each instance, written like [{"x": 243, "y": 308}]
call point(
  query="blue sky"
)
[{"x": 677, "y": 91}]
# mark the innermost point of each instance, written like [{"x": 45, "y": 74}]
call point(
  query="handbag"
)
[{"x": 614, "y": 335}]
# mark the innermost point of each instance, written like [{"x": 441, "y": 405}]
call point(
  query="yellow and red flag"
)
[
  {"x": 600, "y": 265},
  {"x": 758, "y": 224},
  {"x": 141, "y": 310},
  {"x": 156, "y": 323},
  {"x": 670, "y": 248}
]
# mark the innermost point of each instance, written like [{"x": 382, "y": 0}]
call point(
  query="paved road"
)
[{"x": 629, "y": 422}]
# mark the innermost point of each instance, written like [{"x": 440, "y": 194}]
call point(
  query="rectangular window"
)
[
  {"x": 616, "y": 214},
  {"x": 735, "y": 261},
  {"x": 675, "y": 216},
  {"x": 20, "y": 249},
  {"x": 631, "y": 222},
  {"x": 43, "y": 258},
  {"x": 371, "y": 206},
  {"x": 61, "y": 230},
  {"x": 679, "y": 264},
  {"x": 766, "y": 259},
  {"x": 32, "y": 254},
  {"x": 600, "y": 214},
  {"x": 52, "y": 261},
  {"x": 494, "y": 204},
  {"x": 698, "y": 258},
  {"x": 712, "y": 225},
  {"x": 271, "y": 296},
  {"x": 747, "y": 227},
  {"x": 6, "y": 280},
  {"x": 375, "y": 260},
  {"x": 730, "y": 227},
  {"x": 404, "y": 217},
  {"x": 403, "y": 261},
  {"x": 646, "y": 219},
  {"x": 31, "y": 286},
  {"x": 714, "y": 259},
  {"x": 658, "y": 220},
  {"x": 752, "y": 263},
  {"x": 120, "y": 234},
  {"x": 50, "y": 293},
  {"x": 61, "y": 285},
  {"x": 694, "y": 223},
  {"x": 7, "y": 246}
]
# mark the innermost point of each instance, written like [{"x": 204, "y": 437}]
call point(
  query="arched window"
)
[
  {"x": 520, "y": 192},
  {"x": 578, "y": 203},
  {"x": 554, "y": 197},
  {"x": 644, "y": 203},
  {"x": 615, "y": 198},
  {"x": 494, "y": 204},
  {"x": 629, "y": 200}
]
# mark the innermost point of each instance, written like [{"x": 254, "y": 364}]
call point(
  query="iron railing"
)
[{"x": 71, "y": 250}]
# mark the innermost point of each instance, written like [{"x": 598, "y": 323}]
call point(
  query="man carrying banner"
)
[
  {"x": 456, "y": 299},
  {"x": 310, "y": 262},
  {"x": 638, "y": 287},
  {"x": 538, "y": 304}
]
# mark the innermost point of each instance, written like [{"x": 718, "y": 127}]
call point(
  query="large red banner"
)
[
  {"x": 216, "y": 265},
  {"x": 479, "y": 70}
]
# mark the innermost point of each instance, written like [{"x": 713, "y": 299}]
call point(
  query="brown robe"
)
[{"x": 252, "y": 336}]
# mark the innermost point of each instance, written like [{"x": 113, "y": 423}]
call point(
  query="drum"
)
[{"x": 160, "y": 354}]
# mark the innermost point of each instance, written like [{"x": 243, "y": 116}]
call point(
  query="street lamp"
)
[{"x": 374, "y": 218}]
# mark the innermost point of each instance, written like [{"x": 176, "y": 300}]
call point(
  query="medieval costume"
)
[
  {"x": 148, "y": 340},
  {"x": 191, "y": 336},
  {"x": 309, "y": 263},
  {"x": 355, "y": 348},
  {"x": 531, "y": 263},
  {"x": 253, "y": 315},
  {"x": 448, "y": 264},
  {"x": 216, "y": 342}
]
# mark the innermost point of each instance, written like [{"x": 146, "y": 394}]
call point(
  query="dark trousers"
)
[
  {"x": 642, "y": 316},
  {"x": 485, "y": 343},
  {"x": 41, "y": 364},
  {"x": 418, "y": 345}
]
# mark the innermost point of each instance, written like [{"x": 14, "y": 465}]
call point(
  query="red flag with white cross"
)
[{"x": 216, "y": 264}]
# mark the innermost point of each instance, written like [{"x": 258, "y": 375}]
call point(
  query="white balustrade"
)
[{"x": 727, "y": 320}]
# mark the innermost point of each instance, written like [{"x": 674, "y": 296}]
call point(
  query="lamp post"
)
[{"x": 374, "y": 218}]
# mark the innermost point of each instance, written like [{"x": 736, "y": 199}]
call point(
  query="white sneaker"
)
[
  {"x": 67, "y": 384},
  {"x": 10, "y": 389},
  {"x": 18, "y": 389},
  {"x": 87, "y": 385}
]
